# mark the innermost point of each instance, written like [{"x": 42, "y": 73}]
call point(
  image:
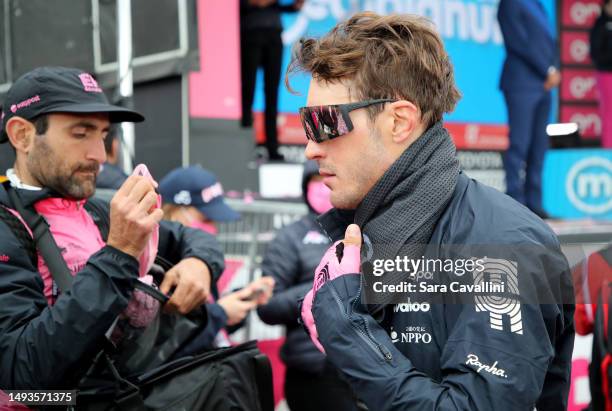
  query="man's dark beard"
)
[{"x": 45, "y": 166}]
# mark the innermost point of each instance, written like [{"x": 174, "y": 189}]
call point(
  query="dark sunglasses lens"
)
[{"x": 323, "y": 122}]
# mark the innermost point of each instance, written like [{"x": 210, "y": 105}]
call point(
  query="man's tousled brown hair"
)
[{"x": 397, "y": 56}]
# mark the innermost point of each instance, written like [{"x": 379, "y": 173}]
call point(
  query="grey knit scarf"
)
[{"x": 402, "y": 209}]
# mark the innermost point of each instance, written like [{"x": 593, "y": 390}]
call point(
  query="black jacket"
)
[
  {"x": 601, "y": 42},
  {"x": 51, "y": 347},
  {"x": 460, "y": 356},
  {"x": 291, "y": 258}
]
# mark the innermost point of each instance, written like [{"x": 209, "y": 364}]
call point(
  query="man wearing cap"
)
[
  {"x": 56, "y": 120},
  {"x": 194, "y": 197}
]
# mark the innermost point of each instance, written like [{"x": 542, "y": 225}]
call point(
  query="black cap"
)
[{"x": 59, "y": 90}]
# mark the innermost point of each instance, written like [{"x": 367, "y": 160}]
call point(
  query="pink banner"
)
[
  {"x": 587, "y": 117},
  {"x": 579, "y": 85},
  {"x": 580, "y": 13},
  {"x": 575, "y": 48},
  {"x": 214, "y": 91}
]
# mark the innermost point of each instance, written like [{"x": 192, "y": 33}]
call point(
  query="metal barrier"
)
[
  {"x": 246, "y": 240},
  {"x": 257, "y": 226}
]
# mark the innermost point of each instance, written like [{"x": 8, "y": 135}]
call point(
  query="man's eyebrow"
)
[{"x": 88, "y": 125}]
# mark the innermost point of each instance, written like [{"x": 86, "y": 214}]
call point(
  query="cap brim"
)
[
  {"x": 219, "y": 211},
  {"x": 116, "y": 114}
]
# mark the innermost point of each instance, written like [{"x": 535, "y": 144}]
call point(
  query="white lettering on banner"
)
[
  {"x": 313, "y": 10},
  {"x": 586, "y": 121},
  {"x": 581, "y": 12},
  {"x": 473, "y": 360},
  {"x": 589, "y": 185},
  {"x": 455, "y": 19},
  {"x": 579, "y": 50},
  {"x": 581, "y": 86}
]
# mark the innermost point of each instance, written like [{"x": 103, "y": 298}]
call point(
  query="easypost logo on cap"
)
[
  {"x": 212, "y": 192},
  {"x": 89, "y": 83},
  {"x": 25, "y": 103},
  {"x": 578, "y": 183}
]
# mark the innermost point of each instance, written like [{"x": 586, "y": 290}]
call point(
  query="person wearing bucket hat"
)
[
  {"x": 194, "y": 197},
  {"x": 56, "y": 120}
]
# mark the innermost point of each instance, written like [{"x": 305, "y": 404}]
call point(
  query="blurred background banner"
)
[
  {"x": 578, "y": 183},
  {"x": 472, "y": 37}
]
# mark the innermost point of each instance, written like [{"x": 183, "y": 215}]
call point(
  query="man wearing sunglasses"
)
[{"x": 380, "y": 86}]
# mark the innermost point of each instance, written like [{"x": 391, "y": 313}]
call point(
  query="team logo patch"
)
[{"x": 89, "y": 83}]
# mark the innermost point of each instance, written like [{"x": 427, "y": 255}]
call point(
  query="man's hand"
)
[
  {"x": 237, "y": 305},
  {"x": 133, "y": 215},
  {"x": 297, "y": 4},
  {"x": 190, "y": 279},
  {"x": 553, "y": 80},
  {"x": 261, "y": 290},
  {"x": 342, "y": 258}
]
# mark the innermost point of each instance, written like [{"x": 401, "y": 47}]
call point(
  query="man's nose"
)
[
  {"x": 97, "y": 152},
  {"x": 313, "y": 150}
]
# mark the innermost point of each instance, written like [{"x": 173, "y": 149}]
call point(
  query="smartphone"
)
[{"x": 255, "y": 294}]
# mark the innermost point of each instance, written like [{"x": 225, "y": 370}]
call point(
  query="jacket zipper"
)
[{"x": 379, "y": 349}]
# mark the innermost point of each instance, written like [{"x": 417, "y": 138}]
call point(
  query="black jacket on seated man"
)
[{"x": 46, "y": 346}]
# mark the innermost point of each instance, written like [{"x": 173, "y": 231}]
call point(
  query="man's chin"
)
[
  {"x": 342, "y": 202},
  {"x": 82, "y": 190}
]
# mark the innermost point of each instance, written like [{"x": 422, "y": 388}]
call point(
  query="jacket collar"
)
[{"x": 28, "y": 197}]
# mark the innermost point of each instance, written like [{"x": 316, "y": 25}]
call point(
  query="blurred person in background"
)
[
  {"x": 528, "y": 76},
  {"x": 193, "y": 197},
  {"x": 111, "y": 174},
  {"x": 601, "y": 54},
  {"x": 261, "y": 45},
  {"x": 311, "y": 382}
]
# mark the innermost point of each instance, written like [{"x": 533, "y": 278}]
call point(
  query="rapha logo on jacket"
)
[{"x": 474, "y": 362}]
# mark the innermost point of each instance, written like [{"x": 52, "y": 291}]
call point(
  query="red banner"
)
[
  {"x": 580, "y": 14},
  {"x": 575, "y": 48},
  {"x": 587, "y": 117},
  {"x": 579, "y": 85}
]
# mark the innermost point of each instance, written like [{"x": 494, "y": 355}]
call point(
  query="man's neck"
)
[{"x": 18, "y": 182}]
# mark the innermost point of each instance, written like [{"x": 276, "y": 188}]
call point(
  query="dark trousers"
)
[
  {"x": 528, "y": 115},
  {"x": 262, "y": 48},
  {"x": 322, "y": 392}
]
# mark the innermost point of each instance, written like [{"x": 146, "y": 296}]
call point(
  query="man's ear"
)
[
  {"x": 406, "y": 120},
  {"x": 21, "y": 134}
]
